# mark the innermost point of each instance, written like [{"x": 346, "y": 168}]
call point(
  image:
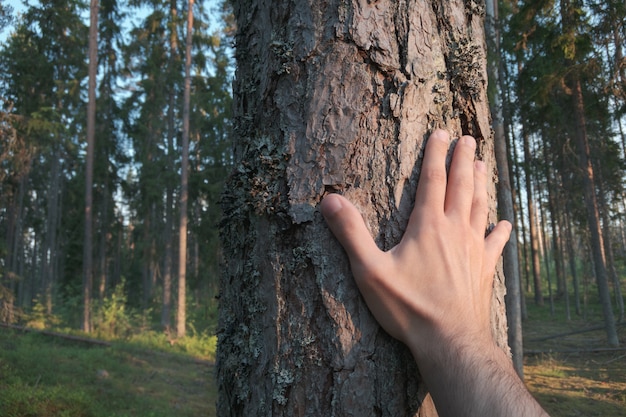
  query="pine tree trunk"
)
[
  {"x": 91, "y": 133},
  {"x": 593, "y": 218},
  {"x": 505, "y": 196},
  {"x": 569, "y": 238},
  {"x": 169, "y": 197},
  {"x": 532, "y": 225},
  {"x": 608, "y": 247},
  {"x": 181, "y": 314},
  {"x": 334, "y": 98}
]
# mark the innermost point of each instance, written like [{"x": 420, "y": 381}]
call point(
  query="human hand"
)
[{"x": 435, "y": 286}]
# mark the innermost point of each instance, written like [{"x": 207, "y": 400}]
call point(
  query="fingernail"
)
[
  {"x": 440, "y": 134},
  {"x": 480, "y": 166},
  {"x": 469, "y": 141},
  {"x": 331, "y": 204}
]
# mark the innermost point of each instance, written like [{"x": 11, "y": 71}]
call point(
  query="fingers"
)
[
  {"x": 494, "y": 244},
  {"x": 460, "y": 191},
  {"x": 346, "y": 223},
  {"x": 480, "y": 208},
  {"x": 431, "y": 190}
]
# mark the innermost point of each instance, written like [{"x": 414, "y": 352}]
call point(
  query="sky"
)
[{"x": 19, "y": 7}]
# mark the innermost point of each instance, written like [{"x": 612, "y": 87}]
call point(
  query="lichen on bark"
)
[{"x": 333, "y": 96}]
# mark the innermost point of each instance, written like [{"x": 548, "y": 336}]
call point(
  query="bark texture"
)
[{"x": 334, "y": 96}]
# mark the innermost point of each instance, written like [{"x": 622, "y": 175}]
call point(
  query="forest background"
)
[{"x": 139, "y": 158}]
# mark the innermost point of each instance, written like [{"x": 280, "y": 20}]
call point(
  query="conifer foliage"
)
[{"x": 136, "y": 152}]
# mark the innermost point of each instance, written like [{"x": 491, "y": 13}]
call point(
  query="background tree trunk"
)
[
  {"x": 91, "y": 134},
  {"x": 505, "y": 196},
  {"x": 593, "y": 217},
  {"x": 168, "y": 267},
  {"x": 181, "y": 315},
  {"x": 334, "y": 98}
]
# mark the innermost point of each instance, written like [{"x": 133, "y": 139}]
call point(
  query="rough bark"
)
[{"x": 334, "y": 96}]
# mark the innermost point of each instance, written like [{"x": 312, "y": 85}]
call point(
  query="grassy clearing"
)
[
  {"x": 149, "y": 376},
  {"x": 575, "y": 382},
  {"x": 44, "y": 376}
]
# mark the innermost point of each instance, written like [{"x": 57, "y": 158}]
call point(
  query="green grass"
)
[
  {"x": 576, "y": 382},
  {"x": 44, "y": 376}
]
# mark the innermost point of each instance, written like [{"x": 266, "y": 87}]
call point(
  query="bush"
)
[{"x": 111, "y": 318}]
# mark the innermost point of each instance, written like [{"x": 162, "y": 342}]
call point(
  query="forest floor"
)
[
  {"x": 44, "y": 376},
  {"x": 572, "y": 373},
  {"x": 48, "y": 376}
]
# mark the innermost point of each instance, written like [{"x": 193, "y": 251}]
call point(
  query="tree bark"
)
[
  {"x": 505, "y": 196},
  {"x": 334, "y": 97},
  {"x": 181, "y": 315}
]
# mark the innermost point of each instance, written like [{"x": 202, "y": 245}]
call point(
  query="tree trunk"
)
[
  {"x": 546, "y": 252},
  {"x": 334, "y": 98},
  {"x": 169, "y": 198},
  {"x": 608, "y": 246},
  {"x": 505, "y": 196},
  {"x": 532, "y": 224},
  {"x": 569, "y": 243},
  {"x": 182, "y": 247},
  {"x": 593, "y": 218},
  {"x": 49, "y": 252},
  {"x": 91, "y": 134}
]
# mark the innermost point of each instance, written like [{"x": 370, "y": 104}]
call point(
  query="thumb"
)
[
  {"x": 346, "y": 223},
  {"x": 494, "y": 245}
]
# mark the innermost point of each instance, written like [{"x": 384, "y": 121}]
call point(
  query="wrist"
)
[{"x": 438, "y": 349}]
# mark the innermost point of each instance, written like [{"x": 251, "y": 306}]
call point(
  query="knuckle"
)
[{"x": 434, "y": 175}]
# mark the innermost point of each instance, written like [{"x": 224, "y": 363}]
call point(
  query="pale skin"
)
[{"x": 433, "y": 290}]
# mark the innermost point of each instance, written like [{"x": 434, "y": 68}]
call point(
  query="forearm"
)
[{"x": 472, "y": 381}]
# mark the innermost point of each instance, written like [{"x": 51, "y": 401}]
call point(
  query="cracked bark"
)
[{"x": 334, "y": 96}]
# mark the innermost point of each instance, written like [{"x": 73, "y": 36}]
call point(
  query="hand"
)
[{"x": 435, "y": 286}]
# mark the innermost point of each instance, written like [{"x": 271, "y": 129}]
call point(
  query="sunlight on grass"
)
[
  {"x": 578, "y": 386},
  {"x": 44, "y": 376}
]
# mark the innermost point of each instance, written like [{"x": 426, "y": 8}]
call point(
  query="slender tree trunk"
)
[
  {"x": 551, "y": 193},
  {"x": 562, "y": 250},
  {"x": 522, "y": 252},
  {"x": 593, "y": 218},
  {"x": 546, "y": 256},
  {"x": 572, "y": 260},
  {"x": 333, "y": 98},
  {"x": 505, "y": 196},
  {"x": 169, "y": 199},
  {"x": 608, "y": 247},
  {"x": 182, "y": 247},
  {"x": 105, "y": 237},
  {"x": 91, "y": 134},
  {"x": 532, "y": 224},
  {"x": 146, "y": 264},
  {"x": 49, "y": 248}
]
